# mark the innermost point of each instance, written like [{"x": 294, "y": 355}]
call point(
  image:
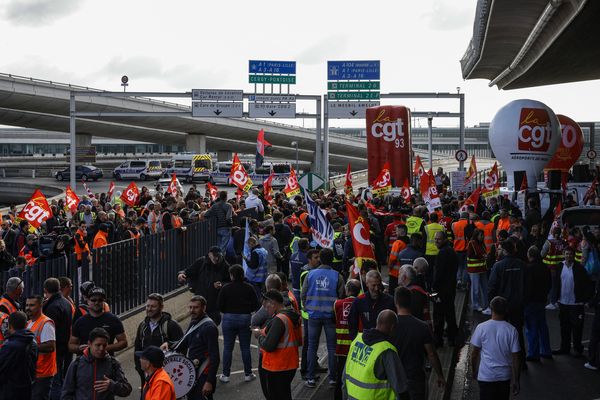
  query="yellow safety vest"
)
[
  {"x": 431, "y": 229},
  {"x": 413, "y": 225}
]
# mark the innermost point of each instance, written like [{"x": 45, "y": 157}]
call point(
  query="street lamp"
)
[{"x": 295, "y": 144}]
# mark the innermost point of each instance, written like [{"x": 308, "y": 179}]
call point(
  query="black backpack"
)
[{"x": 338, "y": 247}]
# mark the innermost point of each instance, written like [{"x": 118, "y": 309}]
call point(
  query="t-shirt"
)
[
  {"x": 48, "y": 332},
  {"x": 497, "y": 341},
  {"x": 109, "y": 321},
  {"x": 410, "y": 337}
]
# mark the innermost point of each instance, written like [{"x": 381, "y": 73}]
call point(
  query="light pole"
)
[
  {"x": 430, "y": 140},
  {"x": 295, "y": 144}
]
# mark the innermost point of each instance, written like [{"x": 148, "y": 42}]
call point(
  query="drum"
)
[{"x": 182, "y": 372}]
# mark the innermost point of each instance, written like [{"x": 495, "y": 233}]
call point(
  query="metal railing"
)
[{"x": 128, "y": 270}]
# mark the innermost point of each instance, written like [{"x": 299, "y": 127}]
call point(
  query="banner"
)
[
  {"x": 383, "y": 183},
  {"x": 173, "y": 185},
  {"x": 111, "y": 190},
  {"x": 238, "y": 175},
  {"x": 268, "y": 187},
  {"x": 429, "y": 192},
  {"x": 472, "y": 200},
  {"x": 405, "y": 191},
  {"x": 348, "y": 184},
  {"x": 212, "y": 190},
  {"x": 261, "y": 145},
  {"x": 89, "y": 192},
  {"x": 360, "y": 232},
  {"x": 246, "y": 250},
  {"x": 491, "y": 184},
  {"x": 71, "y": 199},
  {"x": 320, "y": 228},
  {"x": 472, "y": 172},
  {"x": 292, "y": 188},
  {"x": 131, "y": 195},
  {"x": 36, "y": 210},
  {"x": 569, "y": 148},
  {"x": 388, "y": 139}
]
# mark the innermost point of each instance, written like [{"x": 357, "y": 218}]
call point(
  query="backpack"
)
[
  {"x": 46, "y": 245},
  {"x": 338, "y": 247},
  {"x": 162, "y": 328}
]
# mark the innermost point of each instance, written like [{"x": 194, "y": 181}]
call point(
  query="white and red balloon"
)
[{"x": 570, "y": 146}]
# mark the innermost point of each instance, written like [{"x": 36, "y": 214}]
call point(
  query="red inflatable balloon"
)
[{"x": 570, "y": 147}]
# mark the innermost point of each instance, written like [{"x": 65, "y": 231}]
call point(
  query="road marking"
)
[{"x": 242, "y": 371}]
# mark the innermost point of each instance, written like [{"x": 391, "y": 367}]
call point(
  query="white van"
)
[
  {"x": 138, "y": 169},
  {"x": 281, "y": 172},
  {"x": 220, "y": 174},
  {"x": 190, "y": 167}
]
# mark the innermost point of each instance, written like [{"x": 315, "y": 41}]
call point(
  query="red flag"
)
[
  {"x": 472, "y": 172},
  {"x": 212, "y": 190},
  {"x": 292, "y": 188},
  {"x": 36, "y": 210},
  {"x": 419, "y": 170},
  {"x": 491, "y": 185},
  {"x": 590, "y": 192},
  {"x": 558, "y": 210},
  {"x": 563, "y": 182},
  {"x": 383, "y": 183},
  {"x": 131, "y": 195},
  {"x": 348, "y": 184},
  {"x": 524, "y": 184},
  {"x": 361, "y": 235},
  {"x": 429, "y": 192},
  {"x": 268, "y": 187},
  {"x": 405, "y": 191},
  {"x": 89, "y": 192},
  {"x": 238, "y": 175},
  {"x": 172, "y": 185},
  {"x": 261, "y": 145},
  {"x": 472, "y": 200},
  {"x": 111, "y": 190},
  {"x": 238, "y": 194},
  {"x": 71, "y": 199}
]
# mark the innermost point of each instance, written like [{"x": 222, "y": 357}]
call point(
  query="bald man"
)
[{"x": 373, "y": 359}]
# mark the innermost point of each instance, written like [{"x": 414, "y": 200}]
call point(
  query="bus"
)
[{"x": 190, "y": 167}]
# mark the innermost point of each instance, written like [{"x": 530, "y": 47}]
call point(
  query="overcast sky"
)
[{"x": 179, "y": 45}]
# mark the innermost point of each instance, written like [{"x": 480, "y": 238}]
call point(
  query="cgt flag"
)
[
  {"x": 320, "y": 228},
  {"x": 348, "y": 184},
  {"x": 383, "y": 183},
  {"x": 172, "y": 185},
  {"x": 212, "y": 190},
  {"x": 268, "y": 187},
  {"x": 472, "y": 200},
  {"x": 405, "y": 191},
  {"x": 419, "y": 170},
  {"x": 36, "y": 210},
  {"x": 292, "y": 188},
  {"x": 71, "y": 199},
  {"x": 238, "y": 175},
  {"x": 491, "y": 184},
  {"x": 131, "y": 195},
  {"x": 429, "y": 191},
  {"x": 261, "y": 145},
  {"x": 361, "y": 234},
  {"x": 472, "y": 172}
]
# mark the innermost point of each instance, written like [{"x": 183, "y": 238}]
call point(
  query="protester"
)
[
  {"x": 537, "y": 287},
  {"x": 367, "y": 306},
  {"x": 444, "y": 283},
  {"x": 13, "y": 291},
  {"x": 342, "y": 332},
  {"x": 157, "y": 385}
]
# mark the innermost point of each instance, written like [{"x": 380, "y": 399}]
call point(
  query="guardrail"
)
[{"x": 128, "y": 270}]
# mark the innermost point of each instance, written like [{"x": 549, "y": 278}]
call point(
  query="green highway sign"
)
[
  {"x": 353, "y": 95},
  {"x": 311, "y": 182},
  {"x": 286, "y": 80},
  {"x": 353, "y": 85}
]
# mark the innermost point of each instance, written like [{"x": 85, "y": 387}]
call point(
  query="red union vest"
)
[{"x": 342, "y": 331}]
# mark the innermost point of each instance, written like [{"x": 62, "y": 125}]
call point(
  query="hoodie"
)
[
  {"x": 86, "y": 370},
  {"x": 18, "y": 358},
  {"x": 166, "y": 330}
]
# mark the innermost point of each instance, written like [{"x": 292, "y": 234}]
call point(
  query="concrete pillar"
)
[
  {"x": 224, "y": 155},
  {"x": 195, "y": 143}
]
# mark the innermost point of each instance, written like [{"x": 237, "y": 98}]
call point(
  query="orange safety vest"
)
[
  {"x": 285, "y": 357},
  {"x": 100, "y": 240},
  {"x": 503, "y": 224},
  {"x": 159, "y": 387},
  {"x": 3, "y": 319},
  {"x": 394, "y": 262},
  {"x": 46, "y": 363},
  {"x": 304, "y": 222},
  {"x": 488, "y": 236},
  {"x": 458, "y": 228},
  {"x": 177, "y": 222},
  {"x": 8, "y": 305},
  {"x": 78, "y": 249},
  {"x": 293, "y": 301},
  {"x": 29, "y": 258}
]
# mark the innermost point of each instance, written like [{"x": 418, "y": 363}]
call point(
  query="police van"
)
[
  {"x": 190, "y": 167},
  {"x": 138, "y": 169},
  {"x": 281, "y": 172},
  {"x": 220, "y": 174}
]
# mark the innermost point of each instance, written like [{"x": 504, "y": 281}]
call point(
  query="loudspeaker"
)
[
  {"x": 581, "y": 173},
  {"x": 518, "y": 176},
  {"x": 554, "y": 180}
]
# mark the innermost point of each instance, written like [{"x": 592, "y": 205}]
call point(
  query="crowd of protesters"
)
[{"x": 382, "y": 322}]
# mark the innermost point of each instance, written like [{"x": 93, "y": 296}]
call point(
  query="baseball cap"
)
[
  {"x": 97, "y": 291},
  {"x": 153, "y": 354},
  {"x": 273, "y": 295}
]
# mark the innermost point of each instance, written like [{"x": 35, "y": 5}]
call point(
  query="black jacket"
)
[
  {"x": 538, "y": 282},
  {"x": 10, "y": 237},
  {"x": 166, "y": 331},
  {"x": 201, "y": 344},
  {"x": 202, "y": 275},
  {"x": 444, "y": 272},
  {"x": 18, "y": 357},
  {"x": 507, "y": 279},
  {"x": 59, "y": 310},
  {"x": 584, "y": 287},
  {"x": 7, "y": 261}
]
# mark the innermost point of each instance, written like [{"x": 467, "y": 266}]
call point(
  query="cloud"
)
[
  {"x": 324, "y": 49},
  {"x": 36, "y": 67},
  {"x": 449, "y": 16},
  {"x": 39, "y": 12}
]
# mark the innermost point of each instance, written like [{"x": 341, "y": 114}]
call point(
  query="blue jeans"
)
[
  {"x": 536, "y": 330},
  {"x": 223, "y": 236},
  {"x": 236, "y": 325},
  {"x": 479, "y": 283},
  {"x": 314, "y": 334}
]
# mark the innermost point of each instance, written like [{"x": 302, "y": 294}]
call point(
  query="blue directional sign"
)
[
  {"x": 272, "y": 67},
  {"x": 353, "y": 70}
]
